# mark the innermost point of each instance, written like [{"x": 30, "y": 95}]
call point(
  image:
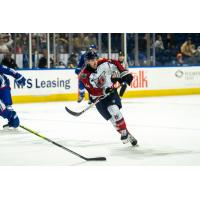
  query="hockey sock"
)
[{"x": 117, "y": 119}]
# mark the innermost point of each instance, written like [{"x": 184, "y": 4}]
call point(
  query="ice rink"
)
[{"x": 167, "y": 130}]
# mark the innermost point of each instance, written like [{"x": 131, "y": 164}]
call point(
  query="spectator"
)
[
  {"x": 9, "y": 61},
  {"x": 61, "y": 44},
  {"x": 195, "y": 51},
  {"x": 188, "y": 49},
  {"x": 3, "y": 46},
  {"x": 121, "y": 59},
  {"x": 24, "y": 42},
  {"x": 5, "y": 43},
  {"x": 18, "y": 39},
  {"x": 116, "y": 45},
  {"x": 159, "y": 43},
  {"x": 72, "y": 61},
  {"x": 42, "y": 40},
  {"x": 170, "y": 41},
  {"x": 8, "y": 39},
  {"x": 142, "y": 46},
  {"x": 82, "y": 41},
  {"x": 179, "y": 59},
  {"x": 61, "y": 65},
  {"x": 43, "y": 61},
  {"x": 142, "y": 43}
]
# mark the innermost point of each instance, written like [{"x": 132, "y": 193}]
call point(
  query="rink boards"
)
[{"x": 62, "y": 84}]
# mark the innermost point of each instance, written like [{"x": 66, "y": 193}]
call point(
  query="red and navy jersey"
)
[{"x": 97, "y": 80}]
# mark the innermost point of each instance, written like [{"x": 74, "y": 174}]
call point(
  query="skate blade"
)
[{"x": 125, "y": 141}]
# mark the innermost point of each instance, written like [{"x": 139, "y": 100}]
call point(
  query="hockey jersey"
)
[
  {"x": 4, "y": 81},
  {"x": 97, "y": 80},
  {"x": 80, "y": 64}
]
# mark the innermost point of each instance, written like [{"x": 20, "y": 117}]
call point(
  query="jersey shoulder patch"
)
[{"x": 83, "y": 75}]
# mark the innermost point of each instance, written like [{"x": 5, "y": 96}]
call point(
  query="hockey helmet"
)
[
  {"x": 91, "y": 55},
  {"x": 92, "y": 46}
]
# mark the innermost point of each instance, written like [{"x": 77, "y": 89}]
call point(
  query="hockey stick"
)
[
  {"x": 59, "y": 145},
  {"x": 76, "y": 114},
  {"x": 123, "y": 89}
]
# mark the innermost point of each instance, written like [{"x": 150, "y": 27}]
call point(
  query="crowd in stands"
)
[
  {"x": 178, "y": 49},
  {"x": 61, "y": 45},
  {"x": 171, "y": 49},
  {"x": 65, "y": 48}
]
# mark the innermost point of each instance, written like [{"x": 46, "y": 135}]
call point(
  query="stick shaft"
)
[
  {"x": 59, "y": 145},
  {"x": 49, "y": 140}
]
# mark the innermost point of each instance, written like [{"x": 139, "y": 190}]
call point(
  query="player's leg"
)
[
  {"x": 6, "y": 110},
  {"x": 119, "y": 123},
  {"x": 109, "y": 108},
  {"x": 81, "y": 91}
]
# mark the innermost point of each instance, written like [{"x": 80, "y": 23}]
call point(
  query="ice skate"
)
[
  {"x": 127, "y": 137},
  {"x": 124, "y": 137},
  {"x": 132, "y": 140}
]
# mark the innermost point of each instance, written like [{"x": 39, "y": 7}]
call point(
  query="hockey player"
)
[
  {"x": 6, "y": 110},
  {"x": 81, "y": 88},
  {"x": 121, "y": 59},
  {"x": 98, "y": 77}
]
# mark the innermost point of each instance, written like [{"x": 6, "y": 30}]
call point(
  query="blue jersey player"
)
[
  {"x": 81, "y": 87},
  {"x": 6, "y": 110}
]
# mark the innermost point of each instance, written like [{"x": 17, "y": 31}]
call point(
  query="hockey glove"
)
[
  {"x": 20, "y": 80},
  {"x": 127, "y": 78},
  {"x": 109, "y": 90},
  {"x": 115, "y": 80},
  {"x": 93, "y": 100}
]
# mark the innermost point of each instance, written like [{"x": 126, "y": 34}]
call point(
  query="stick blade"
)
[
  {"x": 97, "y": 159},
  {"x": 76, "y": 114}
]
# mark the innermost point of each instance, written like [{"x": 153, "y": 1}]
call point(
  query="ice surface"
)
[{"x": 167, "y": 130}]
